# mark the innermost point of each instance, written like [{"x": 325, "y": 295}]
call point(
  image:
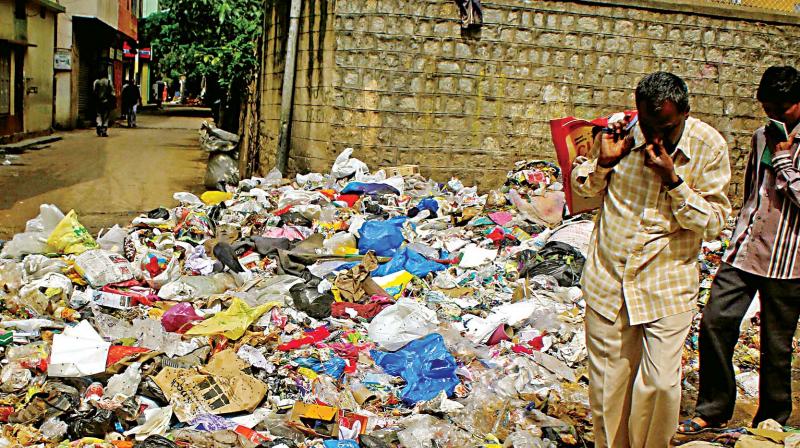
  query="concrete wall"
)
[
  {"x": 38, "y": 30},
  {"x": 149, "y": 7},
  {"x": 38, "y": 109},
  {"x": 7, "y": 20},
  {"x": 105, "y": 10},
  {"x": 401, "y": 83},
  {"x": 127, "y": 23},
  {"x": 66, "y": 112}
]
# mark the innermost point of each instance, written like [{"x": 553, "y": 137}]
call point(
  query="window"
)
[{"x": 5, "y": 81}]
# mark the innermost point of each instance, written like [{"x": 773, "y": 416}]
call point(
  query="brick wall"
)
[{"x": 401, "y": 83}]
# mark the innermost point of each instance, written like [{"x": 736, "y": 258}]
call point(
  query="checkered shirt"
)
[{"x": 644, "y": 248}]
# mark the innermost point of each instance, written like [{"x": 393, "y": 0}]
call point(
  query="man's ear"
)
[{"x": 688, "y": 109}]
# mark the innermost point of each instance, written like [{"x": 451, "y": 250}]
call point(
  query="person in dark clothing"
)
[
  {"x": 762, "y": 258},
  {"x": 131, "y": 98},
  {"x": 160, "y": 88},
  {"x": 105, "y": 100}
]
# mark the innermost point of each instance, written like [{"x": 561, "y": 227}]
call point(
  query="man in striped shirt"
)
[
  {"x": 763, "y": 257},
  {"x": 664, "y": 187}
]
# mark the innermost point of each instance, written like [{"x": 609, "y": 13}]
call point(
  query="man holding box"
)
[{"x": 664, "y": 184}]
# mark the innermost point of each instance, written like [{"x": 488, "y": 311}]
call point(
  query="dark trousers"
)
[{"x": 731, "y": 294}]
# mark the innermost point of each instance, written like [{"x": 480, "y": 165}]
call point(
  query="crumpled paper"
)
[{"x": 351, "y": 282}]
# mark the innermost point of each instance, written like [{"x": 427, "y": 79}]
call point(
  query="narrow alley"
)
[{"x": 106, "y": 180}]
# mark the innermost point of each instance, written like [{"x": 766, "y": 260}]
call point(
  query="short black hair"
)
[
  {"x": 657, "y": 88},
  {"x": 779, "y": 84}
]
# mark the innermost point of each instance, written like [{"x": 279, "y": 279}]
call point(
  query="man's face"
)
[
  {"x": 665, "y": 124},
  {"x": 788, "y": 113}
]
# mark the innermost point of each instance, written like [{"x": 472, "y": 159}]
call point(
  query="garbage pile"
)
[
  {"x": 222, "y": 146},
  {"x": 344, "y": 309}
]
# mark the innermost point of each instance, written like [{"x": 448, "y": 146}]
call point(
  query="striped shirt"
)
[
  {"x": 643, "y": 251},
  {"x": 766, "y": 241}
]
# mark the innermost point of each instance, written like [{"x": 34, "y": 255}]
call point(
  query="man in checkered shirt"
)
[{"x": 664, "y": 185}]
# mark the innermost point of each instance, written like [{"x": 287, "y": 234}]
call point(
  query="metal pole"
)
[{"x": 287, "y": 94}]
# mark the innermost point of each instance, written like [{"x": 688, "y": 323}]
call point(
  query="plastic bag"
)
[
  {"x": 34, "y": 239},
  {"x": 215, "y": 197},
  {"x": 557, "y": 259},
  {"x": 124, "y": 384},
  {"x": 187, "y": 198},
  {"x": 344, "y": 166},
  {"x": 383, "y": 237},
  {"x": 159, "y": 268},
  {"x": 222, "y": 170},
  {"x": 178, "y": 317},
  {"x": 101, "y": 267},
  {"x": 425, "y": 364},
  {"x": 71, "y": 237},
  {"x": 402, "y": 323},
  {"x": 113, "y": 240},
  {"x": 547, "y": 210},
  {"x": 188, "y": 287},
  {"x": 233, "y": 322},
  {"x": 342, "y": 243},
  {"x": 409, "y": 260}
]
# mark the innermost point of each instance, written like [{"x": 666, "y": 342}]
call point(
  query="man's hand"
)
[
  {"x": 614, "y": 145},
  {"x": 785, "y": 147},
  {"x": 657, "y": 159}
]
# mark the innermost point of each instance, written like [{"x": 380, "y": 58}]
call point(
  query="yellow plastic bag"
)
[
  {"x": 395, "y": 283},
  {"x": 71, "y": 237},
  {"x": 233, "y": 322},
  {"x": 215, "y": 197}
]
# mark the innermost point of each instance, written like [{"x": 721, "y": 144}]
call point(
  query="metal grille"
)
[
  {"x": 786, "y": 6},
  {"x": 5, "y": 81}
]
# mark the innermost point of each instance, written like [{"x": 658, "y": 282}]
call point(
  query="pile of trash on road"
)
[{"x": 345, "y": 309}]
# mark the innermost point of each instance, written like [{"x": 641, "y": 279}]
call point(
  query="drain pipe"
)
[{"x": 287, "y": 100}]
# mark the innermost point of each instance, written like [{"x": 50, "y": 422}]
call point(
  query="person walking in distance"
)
[
  {"x": 131, "y": 99},
  {"x": 105, "y": 101}
]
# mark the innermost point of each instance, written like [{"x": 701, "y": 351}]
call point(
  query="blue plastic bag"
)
[
  {"x": 425, "y": 364},
  {"x": 384, "y": 237},
  {"x": 340, "y": 444},
  {"x": 411, "y": 261},
  {"x": 364, "y": 188},
  {"x": 429, "y": 204},
  {"x": 334, "y": 367}
]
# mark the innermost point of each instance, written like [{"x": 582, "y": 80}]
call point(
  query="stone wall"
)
[{"x": 400, "y": 82}]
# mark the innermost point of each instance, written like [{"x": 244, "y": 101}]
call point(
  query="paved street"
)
[{"x": 106, "y": 180}]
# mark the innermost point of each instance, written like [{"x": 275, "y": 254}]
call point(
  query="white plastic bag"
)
[
  {"x": 401, "y": 323},
  {"x": 187, "y": 199},
  {"x": 344, "y": 166},
  {"x": 298, "y": 197},
  {"x": 36, "y": 266},
  {"x": 37, "y": 230},
  {"x": 113, "y": 240}
]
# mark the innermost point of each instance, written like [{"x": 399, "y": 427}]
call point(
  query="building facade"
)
[
  {"x": 27, "y": 34},
  {"x": 92, "y": 35},
  {"x": 403, "y": 83}
]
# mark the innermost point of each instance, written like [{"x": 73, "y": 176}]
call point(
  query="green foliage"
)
[{"x": 216, "y": 38}]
